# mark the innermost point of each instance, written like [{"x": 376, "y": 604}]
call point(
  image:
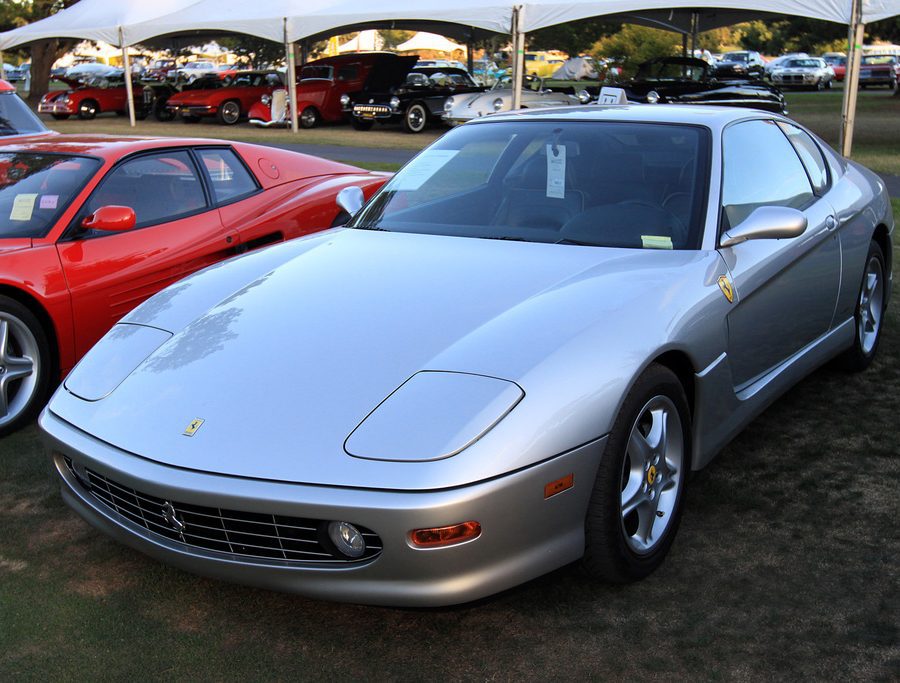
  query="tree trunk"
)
[{"x": 43, "y": 54}]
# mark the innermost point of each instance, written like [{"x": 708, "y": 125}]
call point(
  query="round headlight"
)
[
  {"x": 498, "y": 104},
  {"x": 448, "y": 104},
  {"x": 347, "y": 539},
  {"x": 652, "y": 97},
  {"x": 345, "y": 100},
  {"x": 395, "y": 103},
  {"x": 584, "y": 97},
  {"x": 266, "y": 100}
]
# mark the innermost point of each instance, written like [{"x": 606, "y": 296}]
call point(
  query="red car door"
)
[{"x": 178, "y": 231}]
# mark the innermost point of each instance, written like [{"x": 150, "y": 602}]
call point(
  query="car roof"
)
[
  {"x": 105, "y": 146},
  {"x": 705, "y": 115}
]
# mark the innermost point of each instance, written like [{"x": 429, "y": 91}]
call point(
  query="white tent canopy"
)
[
  {"x": 102, "y": 20},
  {"x": 365, "y": 41},
  {"x": 429, "y": 41}
]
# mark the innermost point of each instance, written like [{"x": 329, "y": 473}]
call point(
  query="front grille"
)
[
  {"x": 247, "y": 534},
  {"x": 371, "y": 109},
  {"x": 792, "y": 78}
]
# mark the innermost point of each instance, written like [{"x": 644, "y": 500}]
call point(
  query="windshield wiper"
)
[
  {"x": 366, "y": 227},
  {"x": 566, "y": 240}
]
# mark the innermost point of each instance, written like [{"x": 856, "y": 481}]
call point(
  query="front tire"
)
[
  {"x": 869, "y": 314},
  {"x": 636, "y": 504},
  {"x": 229, "y": 113},
  {"x": 25, "y": 365},
  {"x": 360, "y": 124},
  {"x": 88, "y": 110},
  {"x": 415, "y": 118}
]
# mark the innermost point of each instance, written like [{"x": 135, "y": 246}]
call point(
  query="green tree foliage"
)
[
  {"x": 253, "y": 52},
  {"x": 635, "y": 44},
  {"x": 394, "y": 38},
  {"x": 573, "y": 38}
]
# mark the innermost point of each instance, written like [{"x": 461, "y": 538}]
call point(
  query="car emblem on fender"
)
[
  {"x": 171, "y": 518},
  {"x": 727, "y": 289}
]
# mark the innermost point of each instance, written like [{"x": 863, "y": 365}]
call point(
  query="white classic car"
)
[
  {"x": 803, "y": 72},
  {"x": 461, "y": 108}
]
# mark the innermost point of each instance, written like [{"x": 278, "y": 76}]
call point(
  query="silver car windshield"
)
[
  {"x": 636, "y": 185},
  {"x": 16, "y": 118}
]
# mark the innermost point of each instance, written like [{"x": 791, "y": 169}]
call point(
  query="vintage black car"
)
[
  {"x": 684, "y": 80},
  {"x": 412, "y": 95}
]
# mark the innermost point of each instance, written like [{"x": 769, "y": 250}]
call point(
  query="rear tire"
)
[
  {"x": 869, "y": 314},
  {"x": 415, "y": 118},
  {"x": 309, "y": 118},
  {"x": 636, "y": 504},
  {"x": 161, "y": 112},
  {"x": 25, "y": 363}
]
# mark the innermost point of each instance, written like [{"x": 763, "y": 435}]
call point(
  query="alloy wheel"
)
[
  {"x": 19, "y": 367},
  {"x": 871, "y": 305}
]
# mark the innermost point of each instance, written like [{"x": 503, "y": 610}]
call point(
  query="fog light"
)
[
  {"x": 346, "y": 539},
  {"x": 437, "y": 537}
]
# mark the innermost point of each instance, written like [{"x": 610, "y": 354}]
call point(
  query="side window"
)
[
  {"x": 230, "y": 179},
  {"x": 810, "y": 155},
  {"x": 760, "y": 168},
  {"x": 159, "y": 187}
]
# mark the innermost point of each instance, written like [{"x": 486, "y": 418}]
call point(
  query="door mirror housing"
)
[
  {"x": 111, "y": 218},
  {"x": 767, "y": 223},
  {"x": 351, "y": 199}
]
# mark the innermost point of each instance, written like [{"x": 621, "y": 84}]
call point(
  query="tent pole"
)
[
  {"x": 856, "y": 35},
  {"x": 129, "y": 88},
  {"x": 518, "y": 57},
  {"x": 292, "y": 80}
]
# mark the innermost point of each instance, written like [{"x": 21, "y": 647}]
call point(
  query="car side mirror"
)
[
  {"x": 767, "y": 222},
  {"x": 111, "y": 218},
  {"x": 351, "y": 199}
]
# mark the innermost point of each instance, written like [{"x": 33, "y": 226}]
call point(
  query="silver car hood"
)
[{"x": 284, "y": 352}]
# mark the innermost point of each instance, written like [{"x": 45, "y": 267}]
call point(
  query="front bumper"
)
[
  {"x": 523, "y": 534},
  {"x": 189, "y": 110},
  {"x": 56, "y": 108}
]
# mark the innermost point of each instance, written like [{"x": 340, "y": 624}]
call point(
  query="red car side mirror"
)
[{"x": 111, "y": 218}]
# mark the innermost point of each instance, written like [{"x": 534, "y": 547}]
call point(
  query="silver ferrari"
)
[{"x": 509, "y": 360}]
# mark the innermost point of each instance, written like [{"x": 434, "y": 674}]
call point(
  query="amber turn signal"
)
[
  {"x": 559, "y": 485},
  {"x": 445, "y": 535}
]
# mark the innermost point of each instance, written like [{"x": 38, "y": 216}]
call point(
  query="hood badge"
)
[
  {"x": 725, "y": 286},
  {"x": 192, "y": 428}
]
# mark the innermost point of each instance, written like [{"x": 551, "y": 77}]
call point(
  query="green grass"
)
[{"x": 785, "y": 567}]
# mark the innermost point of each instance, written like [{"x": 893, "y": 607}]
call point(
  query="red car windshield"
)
[
  {"x": 16, "y": 118},
  {"x": 36, "y": 188}
]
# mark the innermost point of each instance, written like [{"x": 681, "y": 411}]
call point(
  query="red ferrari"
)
[
  {"x": 228, "y": 98},
  {"x": 92, "y": 226}
]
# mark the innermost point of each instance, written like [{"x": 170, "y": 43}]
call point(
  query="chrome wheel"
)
[
  {"x": 309, "y": 118},
  {"x": 231, "y": 112},
  {"x": 19, "y": 367},
  {"x": 651, "y": 471},
  {"x": 87, "y": 110},
  {"x": 871, "y": 305},
  {"x": 415, "y": 119}
]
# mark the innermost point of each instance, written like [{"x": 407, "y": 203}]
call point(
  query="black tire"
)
[
  {"x": 361, "y": 124},
  {"x": 88, "y": 109},
  {"x": 161, "y": 112},
  {"x": 187, "y": 118},
  {"x": 415, "y": 118},
  {"x": 309, "y": 118},
  {"x": 820, "y": 84},
  {"x": 859, "y": 356},
  {"x": 229, "y": 112},
  {"x": 22, "y": 398},
  {"x": 609, "y": 553},
  {"x": 119, "y": 112},
  {"x": 893, "y": 85},
  {"x": 60, "y": 117}
]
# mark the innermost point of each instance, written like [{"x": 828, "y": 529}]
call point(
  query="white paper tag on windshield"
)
[
  {"x": 610, "y": 95},
  {"x": 556, "y": 171},
  {"x": 420, "y": 169},
  {"x": 23, "y": 207}
]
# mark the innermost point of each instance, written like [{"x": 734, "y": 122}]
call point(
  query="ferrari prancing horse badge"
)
[{"x": 725, "y": 286}]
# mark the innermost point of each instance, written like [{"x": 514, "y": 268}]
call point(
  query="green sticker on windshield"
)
[
  {"x": 656, "y": 242},
  {"x": 23, "y": 207}
]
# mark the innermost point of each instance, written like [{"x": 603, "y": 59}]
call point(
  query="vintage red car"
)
[
  {"x": 228, "y": 98},
  {"x": 93, "y": 226},
  {"x": 95, "y": 95},
  {"x": 15, "y": 116},
  {"x": 319, "y": 89}
]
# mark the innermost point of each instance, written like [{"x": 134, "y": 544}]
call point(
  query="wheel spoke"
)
[
  {"x": 4, "y": 398},
  {"x": 633, "y": 499},
  {"x": 17, "y": 368},
  {"x": 639, "y": 448},
  {"x": 4, "y": 339}
]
